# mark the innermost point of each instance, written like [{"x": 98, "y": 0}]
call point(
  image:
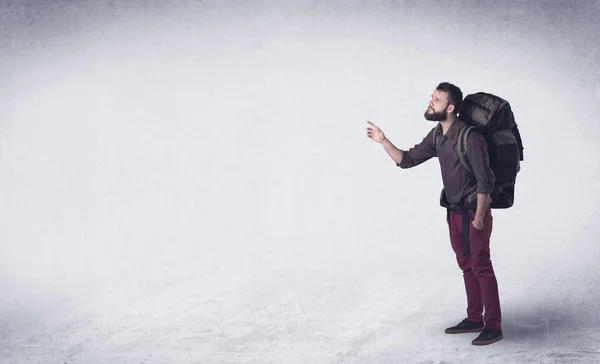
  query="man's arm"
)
[
  {"x": 420, "y": 153},
  {"x": 479, "y": 159},
  {"x": 483, "y": 200},
  {"x": 404, "y": 159},
  {"x": 396, "y": 154}
]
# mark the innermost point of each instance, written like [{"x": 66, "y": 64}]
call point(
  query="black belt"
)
[{"x": 465, "y": 225}]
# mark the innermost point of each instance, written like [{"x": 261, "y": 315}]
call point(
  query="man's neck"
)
[{"x": 447, "y": 123}]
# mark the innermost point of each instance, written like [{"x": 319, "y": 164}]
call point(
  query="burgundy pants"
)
[{"x": 480, "y": 281}]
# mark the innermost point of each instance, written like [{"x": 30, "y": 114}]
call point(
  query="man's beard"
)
[{"x": 436, "y": 116}]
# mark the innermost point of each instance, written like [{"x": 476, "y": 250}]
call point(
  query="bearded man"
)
[{"x": 469, "y": 215}]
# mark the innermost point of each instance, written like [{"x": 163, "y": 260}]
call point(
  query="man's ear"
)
[{"x": 450, "y": 108}]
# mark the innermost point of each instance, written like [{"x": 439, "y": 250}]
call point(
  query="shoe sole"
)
[
  {"x": 482, "y": 343},
  {"x": 462, "y": 331}
]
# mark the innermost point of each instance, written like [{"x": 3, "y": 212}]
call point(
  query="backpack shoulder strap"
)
[{"x": 463, "y": 137}]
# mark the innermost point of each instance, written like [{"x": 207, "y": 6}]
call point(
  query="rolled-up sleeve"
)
[
  {"x": 419, "y": 153},
  {"x": 477, "y": 153}
]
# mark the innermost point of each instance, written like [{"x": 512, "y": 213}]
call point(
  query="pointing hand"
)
[{"x": 375, "y": 133}]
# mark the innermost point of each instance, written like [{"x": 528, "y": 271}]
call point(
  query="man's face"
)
[{"x": 437, "y": 107}]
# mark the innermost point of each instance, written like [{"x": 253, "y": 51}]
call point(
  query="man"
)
[{"x": 467, "y": 198}]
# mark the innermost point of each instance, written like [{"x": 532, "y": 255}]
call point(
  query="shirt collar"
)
[{"x": 452, "y": 132}]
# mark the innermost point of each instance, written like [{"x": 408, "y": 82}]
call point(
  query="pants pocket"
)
[{"x": 472, "y": 218}]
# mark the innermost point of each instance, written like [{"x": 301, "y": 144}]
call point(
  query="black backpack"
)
[{"x": 494, "y": 119}]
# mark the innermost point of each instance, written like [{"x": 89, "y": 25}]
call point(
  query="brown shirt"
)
[{"x": 460, "y": 185}]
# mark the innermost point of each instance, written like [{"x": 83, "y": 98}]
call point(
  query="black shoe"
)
[
  {"x": 465, "y": 326},
  {"x": 488, "y": 336}
]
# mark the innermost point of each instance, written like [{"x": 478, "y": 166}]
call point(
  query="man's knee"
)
[
  {"x": 481, "y": 266},
  {"x": 463, "y": 263}
]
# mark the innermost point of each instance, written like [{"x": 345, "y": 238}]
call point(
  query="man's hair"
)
[{"x": 455, "y": 95}]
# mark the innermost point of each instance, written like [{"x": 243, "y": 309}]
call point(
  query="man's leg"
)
[
  {"x": 481, "y": 264},
  {"x": 472, "y": 285}
]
